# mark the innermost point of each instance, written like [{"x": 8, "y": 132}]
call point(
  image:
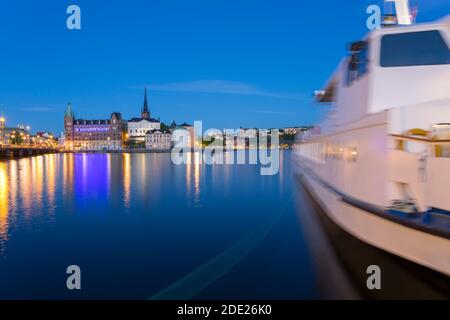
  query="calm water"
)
[{"x": 140, "y": 227}]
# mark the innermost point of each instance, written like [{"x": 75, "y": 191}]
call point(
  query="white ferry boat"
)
[{"x": 379, "y": 165}]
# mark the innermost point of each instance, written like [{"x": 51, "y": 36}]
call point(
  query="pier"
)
[{"x": 13, "y": 151}]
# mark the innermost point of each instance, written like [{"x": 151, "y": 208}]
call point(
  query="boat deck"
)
[{"x": 435, "y": 220}]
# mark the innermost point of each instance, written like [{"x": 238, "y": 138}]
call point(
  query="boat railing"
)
[{"x": 439, "y": 148}]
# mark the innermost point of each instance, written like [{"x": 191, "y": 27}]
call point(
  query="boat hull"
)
[{"x": 401, "y": 278}]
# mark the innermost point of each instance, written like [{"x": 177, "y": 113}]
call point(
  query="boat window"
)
[
  {"x": 358, "y": 62},
  {"x": 414, "y": 49}
]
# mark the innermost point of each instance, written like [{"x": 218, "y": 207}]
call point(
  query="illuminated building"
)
[
  {"x": 80, "y": 134},
  {"x": 191, "y": 137},
  {"x": 2, "y": 133},
  {"x": 293, "y": 130},
  {"x": 138, "y": 127},
  {"x": 18, "y": 135},
  {"x": 44, "y": 138},
  {"x": 184, "y": 136},
  {"x": 158, "y": 139}
]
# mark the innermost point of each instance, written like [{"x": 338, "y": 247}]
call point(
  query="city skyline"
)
[{"x": 200, "y": 61}]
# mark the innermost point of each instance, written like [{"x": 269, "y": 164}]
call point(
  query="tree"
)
[
  {"x": 164, "y": 126},
  {"x": 16, "y": 138}
]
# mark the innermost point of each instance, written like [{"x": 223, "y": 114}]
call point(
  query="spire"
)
[
  {"x": 145, "y": 111},
  {"x": 145, "y": 100},
  {"x": 69, "y": 112}
]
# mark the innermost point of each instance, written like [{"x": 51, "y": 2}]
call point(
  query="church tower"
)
[
  {"x": 145, "y": 113},
  {"x": 69, "y": 119}
]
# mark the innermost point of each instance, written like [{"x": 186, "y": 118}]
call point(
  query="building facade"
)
[
  {"x": 293, "y": 130},
  {"x": 184, "y": 136},
  {"x": 19, "y": 135},
  {"x": 80, "y": 134},
  {"x": 138, "y": 127},
  {"x": 3, "y": 136},
  {"x": 158, "y": 140}
]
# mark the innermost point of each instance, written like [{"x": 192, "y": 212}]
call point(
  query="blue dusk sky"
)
[{"x": 230, "y": 63}]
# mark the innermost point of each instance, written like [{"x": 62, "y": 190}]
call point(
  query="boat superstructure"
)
[{"x": 379, "y": 164}]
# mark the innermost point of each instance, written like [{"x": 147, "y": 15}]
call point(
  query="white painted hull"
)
[
  {"x": 414, "y": 245},
  {"x": 379, "y": 163}
]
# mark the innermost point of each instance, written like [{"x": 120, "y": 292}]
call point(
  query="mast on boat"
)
[{"x": 404, "y": 14}]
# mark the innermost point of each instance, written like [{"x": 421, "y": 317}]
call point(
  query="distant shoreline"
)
[
  {"x": 156, "y": 151},
  {"x": 117, "y": 151}
]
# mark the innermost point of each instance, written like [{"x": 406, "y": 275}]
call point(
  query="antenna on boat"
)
[
  {"x": 414, "y": 11},
  {"x": 397, "y": 12}
]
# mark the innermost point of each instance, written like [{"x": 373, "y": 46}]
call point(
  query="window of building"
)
[
  {"x": 414, "y": 49},
  {"x": 358, "y": 62}
]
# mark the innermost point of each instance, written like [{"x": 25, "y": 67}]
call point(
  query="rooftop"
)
[
  {"x": 114, "y": 115},
  {"x": 164, "y": 131},
  {"x": 142, "y": 119}
]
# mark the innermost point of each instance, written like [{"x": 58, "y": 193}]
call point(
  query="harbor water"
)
[{"x": 141, "y": 227}]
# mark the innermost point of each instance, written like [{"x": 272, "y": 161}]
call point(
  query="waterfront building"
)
[
  {"x": 138, "y": 127},
  {"x": 10, "y": 135},
  {"x": 293, "y": 130},
  {"x": 105, "y": 134},
  {"x": 20, "y": 135},
  {"x": 158, "y": 139},
  {"x": 44, "y": 134},
  {"x": 184, "y": 133},
  {"x": 62, "y": 140},
  {"x": 2, "y": 130},
  {"x": 24, "y": 127},
  {"x": 44, "y": 138}
]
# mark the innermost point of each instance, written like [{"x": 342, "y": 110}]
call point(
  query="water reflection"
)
[
  {"x": 332, "y": 285},
  {"x": 197, "y": 164},
  {"x": 25, "y": 185},
  {"x": 281, "y": 175},
  {"x": 36, "y": 182},
  {"x": 13, "y": 186},
  {"x": 70, "y": 207},
  {"x": 4, "y": 204},
  {"x": 188, "y": 175},
  {"x": 67, "y": 174},
  {"x": 27, "y": 192},
  {"x": 34, "y": 189},
  {"x": 92, "y": 174},
  {"x": 50, "y": 182},
  {"x": 143, "y": 177},
  {"x": 193, "y": 167},
  {"x": 126, "y": 172}
]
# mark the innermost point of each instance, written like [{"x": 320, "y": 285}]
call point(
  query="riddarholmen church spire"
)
[{"x": 145, "y": 112}]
